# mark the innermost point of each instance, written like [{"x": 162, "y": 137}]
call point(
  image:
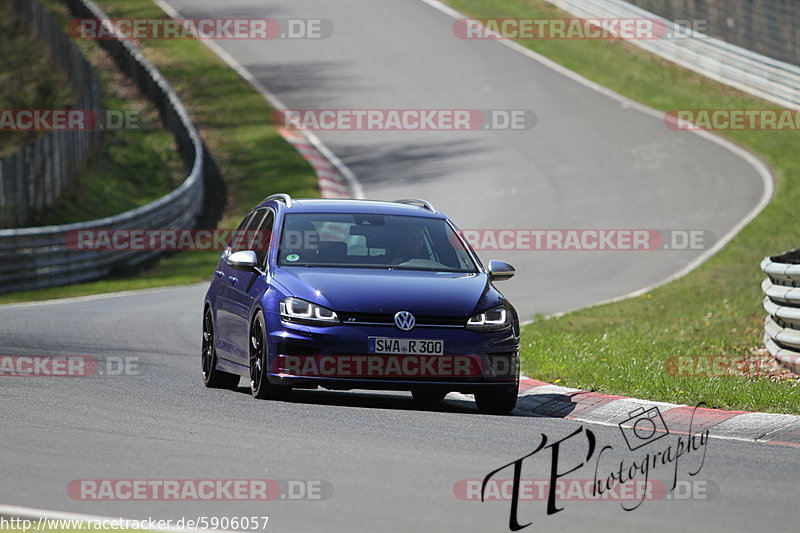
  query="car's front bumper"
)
[{"x": 336, "y": 357}]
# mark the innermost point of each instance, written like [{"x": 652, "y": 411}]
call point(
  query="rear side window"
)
[
  {"x": 238, "y": 240},
  {"x": 247, "y": 236},
  {"x": 260, "y": 237}
]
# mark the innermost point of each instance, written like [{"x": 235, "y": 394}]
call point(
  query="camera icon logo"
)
[{"x": 643, "y": 427}]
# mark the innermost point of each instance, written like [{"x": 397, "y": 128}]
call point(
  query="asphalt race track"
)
[
  {"x": 590, "y": 161},
  {"x": 392, "y": 466},
  {"x": 387, "y": 465}
]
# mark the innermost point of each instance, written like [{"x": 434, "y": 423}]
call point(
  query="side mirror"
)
[
  {"x": 500, "y": 271},
  {"x": 246, "y": 259}
]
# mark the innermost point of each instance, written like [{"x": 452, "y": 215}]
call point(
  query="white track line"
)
[
  {"x": 750, "y": 427},
  {"x": 358, "y": 192},
  {"x": 355, "y": 185},
  {"x": 762, "y": 170},
  {"x": 102, "y": 296}
]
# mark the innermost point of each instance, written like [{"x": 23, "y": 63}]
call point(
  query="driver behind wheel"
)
[{"x": 409, "y": 243}]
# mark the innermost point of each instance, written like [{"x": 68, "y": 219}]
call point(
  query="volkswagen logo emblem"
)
[{"x": 404, "y": 320}]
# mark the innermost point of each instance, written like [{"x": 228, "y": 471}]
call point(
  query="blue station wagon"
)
[{"x": 359, "y": 294}]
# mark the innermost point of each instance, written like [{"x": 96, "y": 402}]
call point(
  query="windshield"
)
[{"x": 372, "y": 241}]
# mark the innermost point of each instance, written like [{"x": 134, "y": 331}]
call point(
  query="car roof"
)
[{"x": 347, "y": 205}]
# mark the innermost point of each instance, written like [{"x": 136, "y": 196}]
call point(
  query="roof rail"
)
[
  {"x": 280, "y": 196},
  {"x": 416, "y": 201}
]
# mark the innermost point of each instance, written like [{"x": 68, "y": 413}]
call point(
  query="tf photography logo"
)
[
  {"x": 650, "y": 448},
  {"x": 643, "y": 427}
]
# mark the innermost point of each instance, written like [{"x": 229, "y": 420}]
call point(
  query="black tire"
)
[
  {"x": 213, "y": 378},
  {"x": 260, "y": 386},
  {"x": 497, "y": 403},
  {"x": 428, "y": 397}
]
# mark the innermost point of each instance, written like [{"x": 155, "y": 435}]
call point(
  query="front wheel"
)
[
  {"x": 213, "y": 378},
  {"x": 260, "y": 386},
  {"x": 497, "y": 402}
]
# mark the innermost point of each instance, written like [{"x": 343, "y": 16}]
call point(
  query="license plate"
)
[{"x": 389, "y": 345}]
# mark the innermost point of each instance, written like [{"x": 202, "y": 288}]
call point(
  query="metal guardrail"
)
[
  {"x": 767, "y": 27},
  {"x": 782, "y": 304},
  {"x": 34, "y": 177},
  {"x": 748, "y": 71},
  {"x": 38, "y": 257},
  {"x": 759, "y": 75}
]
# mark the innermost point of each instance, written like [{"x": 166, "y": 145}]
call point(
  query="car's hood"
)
[{"x": 388, "y": 291}]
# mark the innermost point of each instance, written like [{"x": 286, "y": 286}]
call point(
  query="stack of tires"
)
[{"x": 782, "y": 304}]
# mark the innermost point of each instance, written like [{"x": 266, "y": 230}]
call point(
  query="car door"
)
[
  {"x": 246, "y": 285},
  {"x": 225, "y": 304}
]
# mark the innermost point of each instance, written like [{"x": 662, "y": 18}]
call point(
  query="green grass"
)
[
  {"x": 621, "y": 348},
  {"x": 28, "y": 78},
  {"x": 128, "y": 168},
  {"x": 234, "y": 121},
  {"x": 617, "y": 348}
]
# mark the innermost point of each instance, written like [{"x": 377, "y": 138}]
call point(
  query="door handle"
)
[
  {"x": 233, "y": 280},
  {"x": 218, "y": 273}
]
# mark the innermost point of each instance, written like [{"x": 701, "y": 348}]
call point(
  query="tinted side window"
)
[
  {"x": 243, "y": 234},
  {"x": 261, "y": 236},
  {"x": 236, "y": 244}
]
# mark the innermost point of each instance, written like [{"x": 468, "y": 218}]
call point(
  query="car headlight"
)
[
  {"x": 493, "y": 319},
  {"x": 300, "y": 311}
]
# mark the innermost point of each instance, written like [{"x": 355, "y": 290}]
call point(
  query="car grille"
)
[{"x": 422, "y": 321}]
